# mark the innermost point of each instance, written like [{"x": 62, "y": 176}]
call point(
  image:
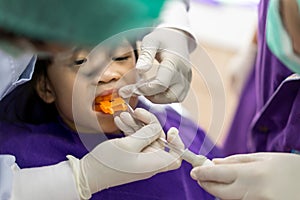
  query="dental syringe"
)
[{"x": 187, "y": 155}]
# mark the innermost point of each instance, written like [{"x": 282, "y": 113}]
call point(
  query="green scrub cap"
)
[{"x": 76, "y": 21}]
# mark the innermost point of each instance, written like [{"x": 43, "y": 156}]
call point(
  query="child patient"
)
[{"x": 55, "y": 115}]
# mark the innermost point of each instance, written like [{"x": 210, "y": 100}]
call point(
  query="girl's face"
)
[{"x": 74, "y": 83}]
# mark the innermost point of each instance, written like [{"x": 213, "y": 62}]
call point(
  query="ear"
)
[{"x": 45, "y": 89}]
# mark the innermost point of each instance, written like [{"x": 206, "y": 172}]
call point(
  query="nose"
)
[{"x": 110, "y": 74}]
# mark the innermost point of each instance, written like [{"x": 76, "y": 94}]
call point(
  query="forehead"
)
[
  {"x": 100, "y": 53},
  {"x": 111, "y": 49},
  {"x": 113, "y": 46}
]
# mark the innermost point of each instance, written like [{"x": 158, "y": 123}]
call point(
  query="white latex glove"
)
[
  {"x": 171, "y": 42},
  {"x": 44, "y": 183},
  {"x": 172, "y": 80},
  {"x": 123, "y": 160},
  {"x": 111, "y": 163},
  {"x": 253, "y": 176},
  {"x": 129, "y": 123},
  {"x": 240, "y": 66}
]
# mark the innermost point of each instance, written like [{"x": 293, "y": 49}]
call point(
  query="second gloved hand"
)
[
  {"x": 252, "y": 176},
  {"x": 172, "y": 81},
  {"x": 124, "y": 160}
]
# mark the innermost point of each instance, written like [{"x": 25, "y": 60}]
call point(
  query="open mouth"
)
[{"x": 109, "y": 104}]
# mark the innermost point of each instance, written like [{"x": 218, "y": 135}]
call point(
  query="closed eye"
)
[
  {"x": 80, "y": 61},
  {"x": 120, "y": 58}
]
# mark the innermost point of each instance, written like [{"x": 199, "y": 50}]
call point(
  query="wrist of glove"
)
[
  {"x": 252, "y": 176},
  {"x": 124, "y": 160},
  {"x": 47, "y": 183},
  {"x": 175, "y": 15},
  {"x": 172, "y": 80}
]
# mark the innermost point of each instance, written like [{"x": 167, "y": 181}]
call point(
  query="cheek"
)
[
  {"x": 63, "y": 100},
  {"x": 130, "y": 77},
  {"x": 291, "y": 21},
  {"x": 296, "y": 43},
  {"x": 107, "y": 124},
  {"x": 63, "y": 83},
  {"x": 129, "y": 72}
]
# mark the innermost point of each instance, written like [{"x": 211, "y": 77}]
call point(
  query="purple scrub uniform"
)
[
  {"x": 47, "y": 144},
  {"x": 268, "y": 114}
]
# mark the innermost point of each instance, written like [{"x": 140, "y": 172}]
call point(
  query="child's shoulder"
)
[
  {"x": 25, "y": 131},
  {"x": 36, "y": 145}
]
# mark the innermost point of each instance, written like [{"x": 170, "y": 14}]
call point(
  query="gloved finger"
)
[
  {"x": 240, "y": 158},
  {"x": 175, "y": 93},
  {"x": 130, "y": 121},
  {"x": 145, "y": 116},
  {"x": 149, "y": 48},
  {"x": 127, "y": 130},
  {"x": 215, "y": 173},
  {"x": 222, "y": 190},
  {"x": 165, "y": 73},
  {"x": 141, "y": 138},
  {"x": 162, "y": 160},
  {"x": 154, "y": 146},
  {"x": 125, "y": 157},
  {"x": 127, "y": 91},
  {"x": 174, "y": 139}
]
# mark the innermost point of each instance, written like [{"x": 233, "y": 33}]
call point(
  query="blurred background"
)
[{"x": 224, "y": 29}]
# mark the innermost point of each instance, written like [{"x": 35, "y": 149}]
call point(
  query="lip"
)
[
  {"x": 105, "y": 93},
  {"x": 114, "y": 91}
]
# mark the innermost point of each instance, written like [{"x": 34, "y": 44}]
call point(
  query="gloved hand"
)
[
  {"x": 253, "y": 176},
  {"x": 111, "y": 163},
  {"x": 124, "y": 160},
  {"x": 172, "y": 81},
  {"x": 240, "y": 66}
]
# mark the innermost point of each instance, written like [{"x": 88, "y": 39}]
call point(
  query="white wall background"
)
[{"x": 225, "y": 25}]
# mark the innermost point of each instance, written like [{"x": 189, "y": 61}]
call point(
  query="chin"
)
[
  {"x": 107, "y": 125},
  {"x": 110, "y": 130}
]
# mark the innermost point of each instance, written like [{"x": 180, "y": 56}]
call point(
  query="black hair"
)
[{"x": 23, "y": 104}]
